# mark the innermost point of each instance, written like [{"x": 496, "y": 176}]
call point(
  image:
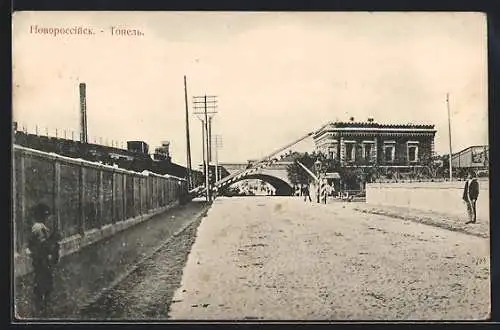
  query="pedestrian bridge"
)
[
  {"x": 274, "y": 173},
  {"x": 269, "y": 169}
]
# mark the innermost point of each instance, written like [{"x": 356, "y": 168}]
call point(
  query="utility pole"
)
[
  {"x": 203, "y": 146},
  {"x": 83, "y": 113},
  {"x": 203, "y": 104},
  {"x": 188, "y": 143},
  {"x": 210, "y": 140},
  {"x": 449, "y": 135}
]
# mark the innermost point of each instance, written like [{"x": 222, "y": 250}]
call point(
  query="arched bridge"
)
[
  {"x": 274, "y": 173},
  {"x": 268, "y": 169}
]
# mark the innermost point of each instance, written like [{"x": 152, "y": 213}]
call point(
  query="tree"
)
[{"x": 296, "y": 174}]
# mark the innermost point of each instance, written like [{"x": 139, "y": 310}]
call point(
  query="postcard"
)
[{"x": 250, "y": 166}]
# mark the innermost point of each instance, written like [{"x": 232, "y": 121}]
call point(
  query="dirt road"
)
[{"x": 280, "y": 258}]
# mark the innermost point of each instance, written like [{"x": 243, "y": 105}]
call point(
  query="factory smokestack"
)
[{"x": 83, "y": 113}]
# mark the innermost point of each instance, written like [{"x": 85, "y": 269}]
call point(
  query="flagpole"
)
[{"x": 449, "y": 134}]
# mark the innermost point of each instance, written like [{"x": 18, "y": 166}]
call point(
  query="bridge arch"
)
[{"x": 282, "y": 187}]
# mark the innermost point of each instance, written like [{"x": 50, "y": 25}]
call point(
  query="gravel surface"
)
[
  {"x": 146, "y": 293},
  {"x": 283, "y": 259}
]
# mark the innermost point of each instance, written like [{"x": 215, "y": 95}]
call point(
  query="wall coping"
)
[
  {"x": 87, "y": 163},
  {"x": 483, "y": 185}
]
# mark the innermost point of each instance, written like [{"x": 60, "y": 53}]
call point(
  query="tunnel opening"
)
[{"x": 280, "y": 187}]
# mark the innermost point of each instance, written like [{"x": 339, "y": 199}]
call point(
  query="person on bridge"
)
[
  {"x": 471, "y": 192},
  {"x": 43, "y": 248},
  {"x": 306, "y": 192}
]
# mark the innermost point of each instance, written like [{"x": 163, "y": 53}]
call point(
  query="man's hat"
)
[{"x": 41, "y": 211}]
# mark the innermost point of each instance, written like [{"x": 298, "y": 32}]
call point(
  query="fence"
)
[
  {"x": 84, "y": 196},
  {"x": 67, "y": 134}
]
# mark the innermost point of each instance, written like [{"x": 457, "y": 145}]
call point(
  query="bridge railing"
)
[{"x": 84, "y": 196}]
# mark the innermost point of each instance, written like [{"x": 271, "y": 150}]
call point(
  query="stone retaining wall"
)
[
  {"x": 89, "y": 201},
  {"x": 441, "y": 197}
]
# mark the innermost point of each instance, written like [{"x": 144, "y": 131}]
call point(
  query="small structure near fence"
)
[{"x": 89, "y": 200}]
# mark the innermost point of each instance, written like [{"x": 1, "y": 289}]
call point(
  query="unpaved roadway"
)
[{"x": 280, "y": 258}]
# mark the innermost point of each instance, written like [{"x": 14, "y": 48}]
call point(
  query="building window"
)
[
  {"x": 389, "y": 150},
  {"x": 368, "y": 152},
  {"x": 412, "y": 153},
  {"x": 350, "y": 152}
]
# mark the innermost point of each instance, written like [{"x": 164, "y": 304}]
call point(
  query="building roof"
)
[
  {"x": 470, "y": 147},
  {"x": 374, "y": 125}
]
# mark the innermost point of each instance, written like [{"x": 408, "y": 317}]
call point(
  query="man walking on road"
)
[
  {"x": 471, "y": 192},
  {"x": 306, "y": 193}
]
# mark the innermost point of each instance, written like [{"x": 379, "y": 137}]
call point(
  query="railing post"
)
[
  {"x": 140, "y": 195},
  {"x": 150, "y": 189},
  {"x": 134, "y": 198},
  {"x": 21, "y": 193},
  {"x": 57, "y": 195},
  {"x": 82, "y": 219},
  {"x": 124, "y": 193},
  {"x": 113, "y": 197},
  {"x": 162, "y": 192},
  {"x": 156, "y": 198},
  {"x": 22, "y": 186},
  {"x": 101, "y": 197}
]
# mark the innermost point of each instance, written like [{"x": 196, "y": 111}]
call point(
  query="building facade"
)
[{"x": 370, "y": 143}]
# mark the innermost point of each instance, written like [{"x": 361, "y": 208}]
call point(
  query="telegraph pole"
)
[
  {"x": 203, "y": 104},
  {"x": 188, "y": 143},
  {"x": 83, "y": 113},
  {"x": 210, "y": 140},
  {"x": 449, "y": 135},
  {"x": 207, "y": 166},
  {"x": 203, "y": 146}
]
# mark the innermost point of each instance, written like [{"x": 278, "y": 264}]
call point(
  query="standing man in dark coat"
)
[
  {"x": 44, "y": 250},
  {"x": 470, "y": 194},
  {"x": 306, "y": 193}
]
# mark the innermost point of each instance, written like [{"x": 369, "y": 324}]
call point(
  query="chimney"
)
[
  {"x": 83, "y": 113},
  {"x": 370, "y": 119},
  {"x": 351, "y": 119}
]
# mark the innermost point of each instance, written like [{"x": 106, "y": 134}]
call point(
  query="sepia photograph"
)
[{"x": 250, "y": 166}]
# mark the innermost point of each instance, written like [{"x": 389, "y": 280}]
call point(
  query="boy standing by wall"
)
[{"x": 44, "y": 250}]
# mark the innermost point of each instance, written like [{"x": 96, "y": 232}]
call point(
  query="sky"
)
[{"x": 277, "y": 76}]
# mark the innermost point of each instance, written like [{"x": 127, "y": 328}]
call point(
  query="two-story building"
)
[{"x": 370, "y": 143}]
